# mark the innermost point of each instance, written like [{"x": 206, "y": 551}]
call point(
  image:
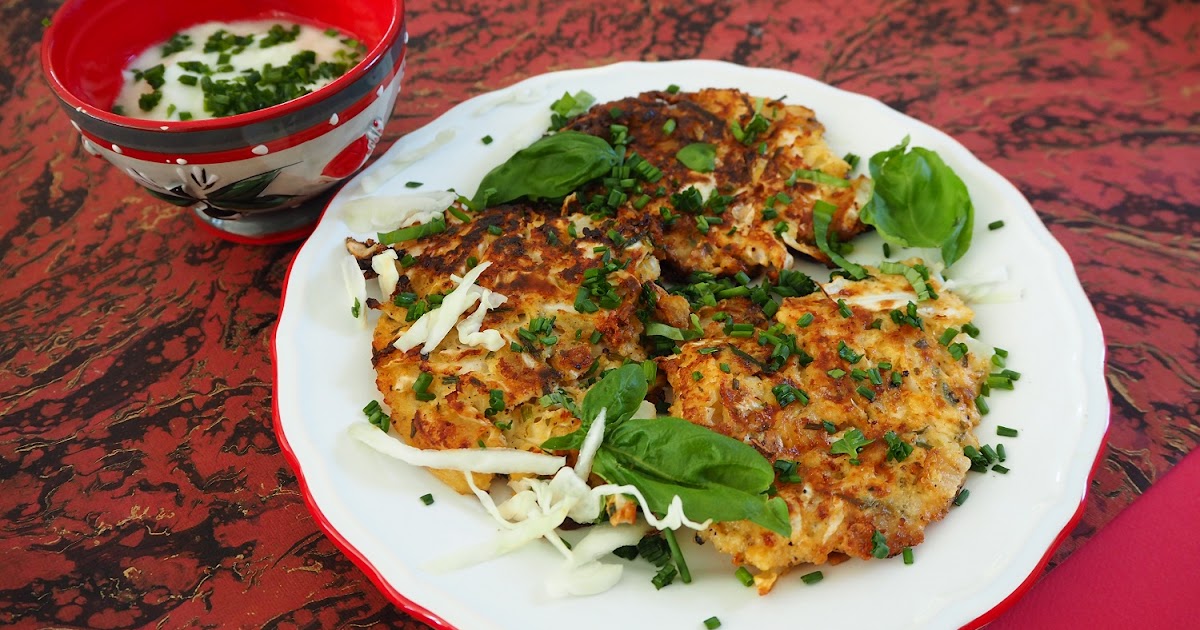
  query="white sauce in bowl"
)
[{"x": 224, "y": 72}]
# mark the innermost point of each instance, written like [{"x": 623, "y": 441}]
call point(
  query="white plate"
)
[{"x": 972, "y": 564}]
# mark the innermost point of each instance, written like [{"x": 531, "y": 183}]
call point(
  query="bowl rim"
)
[{"x": 394, "y": 30}]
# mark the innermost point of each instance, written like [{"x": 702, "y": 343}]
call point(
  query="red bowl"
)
[{"x": 242, "y": 171}]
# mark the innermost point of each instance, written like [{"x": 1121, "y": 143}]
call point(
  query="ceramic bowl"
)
[{"x": 251, "y": 177}]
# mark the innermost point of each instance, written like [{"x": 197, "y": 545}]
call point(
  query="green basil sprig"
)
[
  {"x": 919, "y": 202},
  {"x": 715, "y": 476},
  {"x": 551, "y": 168}
]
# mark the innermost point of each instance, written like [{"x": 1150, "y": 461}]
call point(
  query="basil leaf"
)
[
  {"x": 621, "y": 392},
  {"x": 551, "y": 168},
  {"x": 918, "y": 201},
  {"x": 822, "y": 218},
  {"x": 698, "y": 156},
  {"x": 659, "y": 329},
  {"x": 715, "y": 476}
]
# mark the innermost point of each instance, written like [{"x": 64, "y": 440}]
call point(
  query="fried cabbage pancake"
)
[
  {"x": 755, "y": 173},
  {"x": 837, "y": 506},
  {"x": 539, "y": 267}
]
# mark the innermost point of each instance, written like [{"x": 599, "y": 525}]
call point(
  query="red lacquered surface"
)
[{"x": 142, "y": 484}]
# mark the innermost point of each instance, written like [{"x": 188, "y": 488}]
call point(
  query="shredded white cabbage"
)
[
  {"x": 370, "y": 214},
  {"x": 432, "y": 327},
  {"x": 591, "y": 444},
  {"x": 385, "y": 171},
  {"x": 469, "y": 332},
  {"x": 991, "y": 287},
  {"x": 506, "y": 541},
  {"x": 356, "y": 286},
  {"x": 602, "y": 539},
  {"x": 645, "y": 411},
  {"x": 531, "y": 512},
  {"x": 384, "y": 264},
  {"x": 481, "y": 460}
]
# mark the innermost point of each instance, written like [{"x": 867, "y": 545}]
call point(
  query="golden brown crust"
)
[
  {"x": 839, "y": 505},
  {"x": 539, "y": 267},
  {"x": 750, "y": 172}
]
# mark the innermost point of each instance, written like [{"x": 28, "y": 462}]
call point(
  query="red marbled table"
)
[{"x": 141, "y": 483}]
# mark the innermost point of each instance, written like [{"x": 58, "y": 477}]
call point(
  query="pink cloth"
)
[{"x": 1142, "y": 571}]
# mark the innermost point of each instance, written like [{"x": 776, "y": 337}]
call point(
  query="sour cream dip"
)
[{"x": 225, "y": 68}]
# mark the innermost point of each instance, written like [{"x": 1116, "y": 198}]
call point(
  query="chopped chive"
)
[
  {"x": 1004, "y": 431},
  {"x": 495, "y": 230},
  {"x": 880, "y": 546},
  {"x": 876, "y": 377},
  {"x": 459, "y": 214},
  {"x": 669, "y": 126},
  {"x": 741, "y": 333},
  {"x": 948, "y": 336},
  {"x": 844, "y": 310},
  {"x": 427, "y": 499},
  {"x": 836, "y": 373},
  {"x": 908, "y": 555},
  {"x": 1001, "y": 352},
  {"x": 971, "y": 330},
  {"x": 743, "y": 576},
  {"x": 982, "y": 406},
  {"x": 805, "y": 320},
  {"x": 887, "y": 250},
  {"x": 424, "y": 379},
  {"x": 995, "y": 225},
  {"x": 962, "y": 496},
  {"x": 413, "y": 184},
  {"x": 1000, "y": 469},
  {"x": 1000, "y": 453},
  {"x": 812, "y": 578},
  {"x": 866, "y": 392},
  {"x": 596, "y": 336},
  {"x": 725, "y": 368},
  {"x": 412, "y": 232},
  {"x": 709, "y": 350},
  {"x": 677, "y": 555},
  {"x": 896, "y": 378},
  {"x": 988, "y": 452},
  {"x": 672, "y": 89},
  {"x": 486, "y": 139},
  {"x": 696, "y": 376},
  {"x": 712, "y": 623},
  {"x": 829, "y": 427}
]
